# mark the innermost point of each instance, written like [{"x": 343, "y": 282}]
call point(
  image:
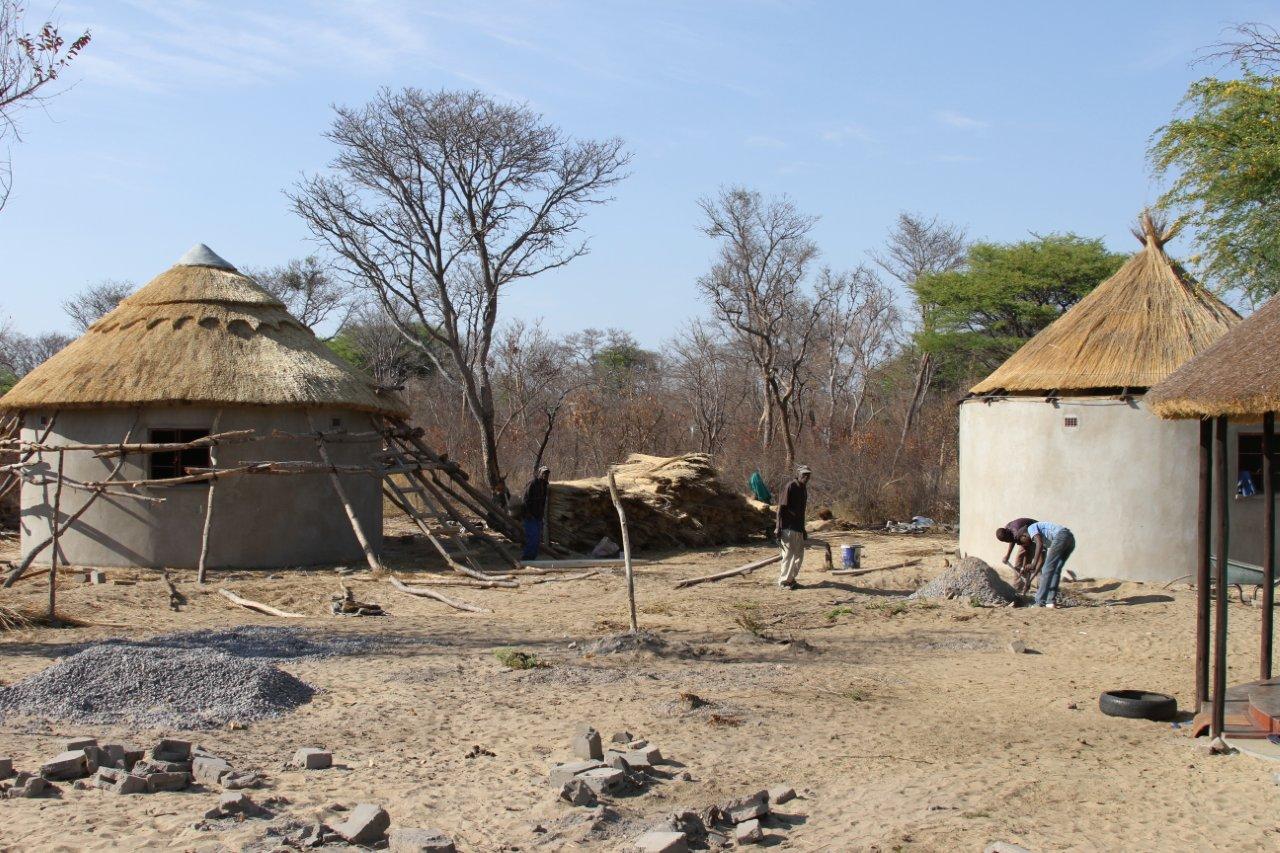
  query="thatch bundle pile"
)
[{"x": 677, "y": 501}]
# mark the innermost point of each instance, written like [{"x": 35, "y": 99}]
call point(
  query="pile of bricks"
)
[
  {"x": 627, "y": 763},
  {"x": 369, "y": 825},
  {"x": 740, "y": 821}
]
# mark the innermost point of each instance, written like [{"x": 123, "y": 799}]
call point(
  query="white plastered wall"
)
[{"x": 1123, "y": 480}]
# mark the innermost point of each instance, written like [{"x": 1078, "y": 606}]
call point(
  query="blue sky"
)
[{"x": 188, "y": 118}]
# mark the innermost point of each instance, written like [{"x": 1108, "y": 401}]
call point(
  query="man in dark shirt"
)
[
  {"x": 1010, "y": 533},
  {"x": 790, "y": 526},
  {"x": 535, "y": 509}
]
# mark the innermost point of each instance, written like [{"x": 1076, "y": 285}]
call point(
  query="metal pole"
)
[
  {"x": 1220, "y": 604},
  {"x": 1268, "y": 538},
  {"x": 1204, "y": 533}
]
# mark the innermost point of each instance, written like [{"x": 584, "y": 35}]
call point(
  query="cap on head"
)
[
  {"x": 803, "y": 470},
  {"x": 543, "y": 471}
]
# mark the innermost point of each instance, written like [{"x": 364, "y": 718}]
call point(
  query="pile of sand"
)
[{"x": 970, "y": 578}]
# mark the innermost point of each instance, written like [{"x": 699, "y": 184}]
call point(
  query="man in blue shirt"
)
[{"x": 1051, "y": 545}]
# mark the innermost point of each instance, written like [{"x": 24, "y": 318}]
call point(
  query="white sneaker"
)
[{"x": 1051, "y": 605}]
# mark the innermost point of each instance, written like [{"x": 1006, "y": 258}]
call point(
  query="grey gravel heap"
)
[
  {"x": 969, "y": 579},
  {"x": 157, "y": 687}
]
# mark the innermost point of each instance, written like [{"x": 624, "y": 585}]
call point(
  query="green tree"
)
[
  {"x": 978, "y": 315},
  {"x": 1223, "y": 156}
]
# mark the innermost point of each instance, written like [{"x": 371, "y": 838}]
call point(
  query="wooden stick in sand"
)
[
  {"x": 427, "y": 592},
  {"x": 258, "y": 606},
  {"x": 202, "y": 565},
  {"x": 626, "y": 551}
]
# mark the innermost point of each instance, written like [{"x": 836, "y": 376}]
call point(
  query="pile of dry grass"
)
[{"x": 677, "y": 501}]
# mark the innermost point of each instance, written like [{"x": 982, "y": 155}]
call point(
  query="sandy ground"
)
[{"x": 905, "y": 726}]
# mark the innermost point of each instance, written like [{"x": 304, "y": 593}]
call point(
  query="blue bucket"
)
[{"x": 851, "y": 556}]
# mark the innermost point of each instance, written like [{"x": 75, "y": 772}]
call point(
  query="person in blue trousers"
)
[
  {"x": 1050, "y": 546},
  {"x": 535, "y": 509}
]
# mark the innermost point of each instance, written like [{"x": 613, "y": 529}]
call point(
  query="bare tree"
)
[
  {"x": 916, "y": 247},
  {"x": 1252, "y": 45},
  {"x": 438, "y": 201},
  {"x": 858, "y": 332},
  {"x": 709, "y": 380},
  {"x": 20, "y": 354},
  {"x": 378, "y": 347},
  {"x": 308, "y": 290},
  {"x": 96, "y": 300},
  {"x": 29, "y": 63},
  {"x": 755, "y": 287}
]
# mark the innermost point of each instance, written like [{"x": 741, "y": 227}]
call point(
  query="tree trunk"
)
[{"x": 924, "y": 375}]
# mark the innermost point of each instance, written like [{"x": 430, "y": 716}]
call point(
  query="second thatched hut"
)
[{"x": 1062, "y": 432}]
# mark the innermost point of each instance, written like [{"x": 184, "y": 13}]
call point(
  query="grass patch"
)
[
  {"x": 517, "y": 659},
  {"x": 837, "y": 612},
  {"x": 660, "y": 608},
  {"x": 897, "y": 608},
  {"x": 855, "y": 694},
  {"x": 974, "y": 815}
]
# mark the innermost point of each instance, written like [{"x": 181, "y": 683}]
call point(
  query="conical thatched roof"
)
[
  {"x": 1238, "y": 377},
  {"x": 1131, "y": 331},
  {"x": 200, "y": 333}
]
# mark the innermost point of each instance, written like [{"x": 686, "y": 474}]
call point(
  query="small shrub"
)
[
  {"x": 836, "y": 613},
  {"x": 517, "y": 659}
]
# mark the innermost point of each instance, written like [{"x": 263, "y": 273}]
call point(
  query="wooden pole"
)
[
  {"x": 369, "y": 555},
  {"x": 626, "y": 550},
  {"x": 1204, "y": 540},
  {"x": 53, "y": 557},
  {"x": 1220, "y": 605},
  {"x": 1268, "y": 539},
  {"x": 202, "y": 566}
]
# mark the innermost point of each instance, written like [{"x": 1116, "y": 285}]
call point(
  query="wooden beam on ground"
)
[
  {"x": 566, "y": 578},
  {"x": 427, "y": 592},
  {"x": 901, "y": 565},
  {"x": 369, "y": 554},
  {"x": 741, "y": 570},
  {"x": 586, "y": 563},
  {"x": 258, "y": 606}
]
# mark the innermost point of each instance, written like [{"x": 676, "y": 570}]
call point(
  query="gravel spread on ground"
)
[
  {"x": 264, "y": 642},
  {"x": 156, "y": 687},
  {"x": 970, "y": 579}
]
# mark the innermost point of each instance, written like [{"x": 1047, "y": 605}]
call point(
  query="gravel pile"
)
[
  {"x": 156, "y": 687},
  {"x": 970, "y": 578}
]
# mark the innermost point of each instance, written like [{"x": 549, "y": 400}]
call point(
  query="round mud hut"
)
[
  {"x": 200, "y": 350},
  {"x": 1062, "y": 430}
]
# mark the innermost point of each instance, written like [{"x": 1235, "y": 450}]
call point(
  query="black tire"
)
[{"x": 1138, "y": 705}]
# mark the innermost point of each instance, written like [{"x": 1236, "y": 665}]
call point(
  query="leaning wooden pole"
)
[
  {"x": 1204, "y": 547},
  {"x": 53, "y": 557},
  {"x": 1220, "y": 604},
  {"x": 369, "y": 555},
  {"x": 203, "y": 564},
  {"x": 1268, "y": 540},
  {"x": 626, "y": 551}
]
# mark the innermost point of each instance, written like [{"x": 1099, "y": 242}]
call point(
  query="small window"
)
[
  {"x": 1071, "y": 421},
  {"x": 1248, "y": 464},
  {"x": 174, "y": 463},
  {"x": 336, "y": 423}
]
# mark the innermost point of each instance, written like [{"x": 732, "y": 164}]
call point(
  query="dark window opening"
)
[
  {"x": 1071, "y": 421},
  {"x": 1248, "y": 464},
  {"x": 174, "y": 463}
]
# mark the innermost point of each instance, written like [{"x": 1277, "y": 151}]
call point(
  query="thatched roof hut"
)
[
  {"x": 1237, "y": 377},
  {"x": 1062, "y": 432},
  {"x": 200, "y": 333},
  {"x": 1132, "y": 331},
  {"x": 199, "y": 350}
]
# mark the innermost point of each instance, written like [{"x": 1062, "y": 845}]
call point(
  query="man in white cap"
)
[{"x": 790, "y": 526}]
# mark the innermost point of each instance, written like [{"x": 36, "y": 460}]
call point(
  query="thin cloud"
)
[
  {"x": 960, "y": 120},
  {"x": 764, "y": 142},
  {"x": 845, "y": 133}
]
